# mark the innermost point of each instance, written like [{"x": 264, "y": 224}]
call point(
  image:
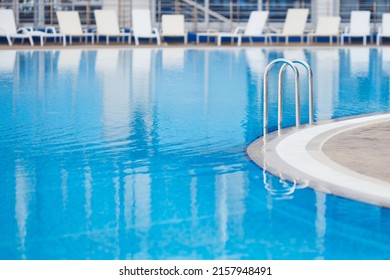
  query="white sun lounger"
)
[
  {"x": 173, "y": 26},
  {"x": 8, "y": 28},
  {"x": 384, "y": 29},
  {"x": 359, "y": 26},
  {"x": 107, "y": 26},
  {"x": 326, "y": 27},
  {"x": 294, "y": 25},
  {"x": 253, "y": 29},
  {"x": 70, "y": 26},
  {"x": 50, "y": 32},
  {"x": 142, "y": 26}
]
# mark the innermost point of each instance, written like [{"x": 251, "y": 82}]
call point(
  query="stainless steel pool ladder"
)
[{"x": 291, "y": 64}]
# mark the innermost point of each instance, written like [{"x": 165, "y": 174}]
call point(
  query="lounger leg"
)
[
  {"x": 185, "y": 40},
  {"x": 219, "y": 39},
  {"x": 239, "y": 40},
  {"x": 107, "y": 39},
  {"x": 136, "y": 40},
  {"x": 9, "y": 41},
  {"x": 364, "y": 40},
  {"x": 41, "y": 41},
  {"x": 158, "y": 40}
]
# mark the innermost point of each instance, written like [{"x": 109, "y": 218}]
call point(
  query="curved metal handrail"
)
[
  {"x": 310, "y": 89},
  {"x": 265, "y": 94}
]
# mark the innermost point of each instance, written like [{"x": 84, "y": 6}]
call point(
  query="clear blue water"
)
[{"x": 140, "y": 154}]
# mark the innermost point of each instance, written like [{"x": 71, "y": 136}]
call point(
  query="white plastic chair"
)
[
  {"x": 8, "y": 28},
  {"x": 359, "y": 26},
  {"x": 326, "y": 27},
  {"x": 142, "y": 26},
  {"x": 384, "y": 30},
  {"x": 173, "y": 26},
  {"x": 70, "y": 26},
  {"x": 107, "y": 26},
  {"x": 294, "y": 25},
  {"x": 254, "y": 28},
  {"x": 50, "y": 32},
  {"x": 7, "y": 23}
]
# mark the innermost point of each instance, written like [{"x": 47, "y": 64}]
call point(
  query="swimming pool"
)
[{"x": 140, "y": 154}]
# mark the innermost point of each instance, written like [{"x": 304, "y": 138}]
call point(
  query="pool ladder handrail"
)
[{"x": 286, "y": 63}]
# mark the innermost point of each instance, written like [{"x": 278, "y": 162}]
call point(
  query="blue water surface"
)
[{"x": 140, "y": 154}]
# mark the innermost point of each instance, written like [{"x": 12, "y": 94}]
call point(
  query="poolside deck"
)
[
  {"x": 365, "y": 150},
  {"x": 348, "y": 157}
]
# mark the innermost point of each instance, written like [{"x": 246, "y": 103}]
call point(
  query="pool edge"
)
[{"x": 294, "y": 154}]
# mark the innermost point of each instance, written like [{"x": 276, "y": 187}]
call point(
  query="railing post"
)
[{"x": 206, "y": 14}]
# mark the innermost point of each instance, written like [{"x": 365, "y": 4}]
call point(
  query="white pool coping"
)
[{"x": 296, "y": 155}]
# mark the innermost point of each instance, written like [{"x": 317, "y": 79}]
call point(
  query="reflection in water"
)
[
  {"x": 69, "y": 60},
  {"x": 23, "y": 191},
  {"x": 326, "y": 66},
  {"x": 64, "y": 188},
  {"x": 278, "y": 190},
  {"x": 320, "y": 223},
  {"x": 385, "y": 59},
  {"x": 7, "y": 59},
  {"x": 359, "y": 61},
  {"x": 116, "y": 154},
  {"x": 294, "y": 54},
  {"x": 173, "y": 59}
]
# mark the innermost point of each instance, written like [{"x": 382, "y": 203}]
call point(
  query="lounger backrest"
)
[
  {"x": 106, "y": 22},
  {"x": 256, "y": 23},
  {"x": 295, "y": 21},
  {"x": 360, "y": 23},
  {"x": 7, "y": 21},
  {"x": 69, "y": 22},
  {"x": 142, "y": 23},
  {"x": 386, "y": 23},
  {"x": 328, "y": 25},
  {"x": 173, "y": 25}
]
